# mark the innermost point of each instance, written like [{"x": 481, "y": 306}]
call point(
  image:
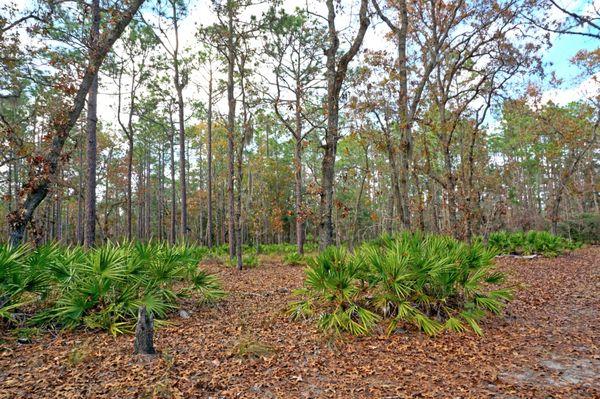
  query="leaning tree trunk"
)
[{"x": 44, "y": 166}]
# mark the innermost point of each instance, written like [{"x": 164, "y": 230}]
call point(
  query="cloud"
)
[{"x": 585, "y": 90}]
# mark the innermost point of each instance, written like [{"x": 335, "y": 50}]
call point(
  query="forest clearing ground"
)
[{"x": 547, "y": 344}]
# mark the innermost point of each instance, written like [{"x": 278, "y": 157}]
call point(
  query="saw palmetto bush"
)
[
  {"x": 335, "y": 291},
  {"x": 530, "y": 243},
  {"x": 283, "y": 249},
  {"x": 100, "y": 288},
  {"x": 294, "y": 259},
  {"x": 433, "y": 282}
]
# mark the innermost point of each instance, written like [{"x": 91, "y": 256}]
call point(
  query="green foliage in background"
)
[
  {"x": 530, "y": 243},
  {"x": 584, "y": 228},
  {"x": 294, "y": 259},
  {"x": 283, "y": 249}
]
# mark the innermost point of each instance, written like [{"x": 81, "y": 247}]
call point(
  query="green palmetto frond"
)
[
  {"x": 471, "y": 317},
  {"x": 156, "y": 302},
  {"x": 107, "y": 262},
  {"x": 530, "y": 243},
  {"x": 208, "y": 286},
  {"x": 294, "y": 259},
  {"x": 427, "y": 325},
  {"x": 102, "y": 287},
  {"x": 488, "y": 303},
  {"x": 6, "y": 311},
  {"x": 354, "y": 319},
  {"x": 302, "y": 309},
  {"x": 433, "y": 282},
  {"x": 12, "y": 262},
  {"x": 69, "y": 309},
  {"x": 454, "y": 324}
]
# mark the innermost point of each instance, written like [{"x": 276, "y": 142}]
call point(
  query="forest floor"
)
[{"x": 547, "y": 344}]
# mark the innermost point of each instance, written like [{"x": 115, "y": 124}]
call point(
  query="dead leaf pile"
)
[{"x": 545, "y": 345}]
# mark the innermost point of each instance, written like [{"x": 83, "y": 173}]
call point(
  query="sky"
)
[{"x": 558, "y": 57}]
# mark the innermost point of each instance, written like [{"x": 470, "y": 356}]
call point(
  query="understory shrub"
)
[
  {"x": 283, "y": 249},
  {"x": 584, "y": 227},
  {"x": 250, "y": 261},
  {"x": 101, "y": 288},
  {"x": 294, "y": 259},
  {"x": 433, "y": 282},
  {"x": 530, "y": 243}
]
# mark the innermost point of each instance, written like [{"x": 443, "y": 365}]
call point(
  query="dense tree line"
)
[{"x": 273, "y": 124}]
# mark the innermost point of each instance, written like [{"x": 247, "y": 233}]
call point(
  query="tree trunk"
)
[
  {"x": 129, "y": 184},
  {"x": 144, "y": 333},
  {"x": 327, "y": 175},
  {"x": 405, "y": 131},
  {"x": 182, "y": 168},
  {"x": 106, "y": 193},
  {"x": 231, "y": 135},
  {"x": 80, "y": 195},
  {"x": 172, "y": 235},
  {"x": 160, "y": 203},
  {"x": 359, "y": 199},
  {"x": 395, "y": 175},
  {"x": 148, "y": 197},
  {"x": 9, "y": 186},
  {"x": 179, "y": 85},
  {"x": 209, "y": 222},
  {"x": 336, "y": 74},
  {"x": 91, "y": 150},
  {"x": 36, "y": 188},
  {"x": 298, "y": 193},
  {"x": 238, "y": 209},
  {"x": 140, "y": 199},
  {"x": 59, "y": 206}
]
